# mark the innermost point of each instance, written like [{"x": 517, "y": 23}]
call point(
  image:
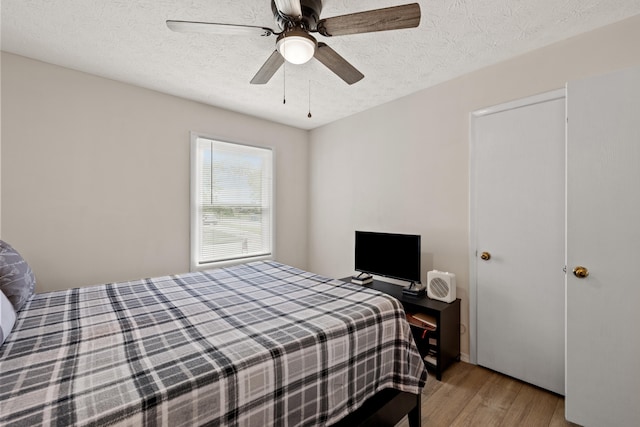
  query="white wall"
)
[
  {"x": 403, "y": 167},
  {"x": 95, "y": 175}
]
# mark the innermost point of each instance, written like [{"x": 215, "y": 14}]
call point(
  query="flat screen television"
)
[{"x": 389, "y": 255}]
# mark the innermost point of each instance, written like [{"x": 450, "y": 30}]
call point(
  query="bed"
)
[{"x": 257, "y": 344}]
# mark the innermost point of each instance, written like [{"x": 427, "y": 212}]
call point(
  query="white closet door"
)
[
  {"x": 603, "y": 235},
  {"x": 518, "y": 164}
]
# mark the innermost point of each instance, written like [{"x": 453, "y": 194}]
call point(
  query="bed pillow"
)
[
  {"x": 7, "y": 317},
  {"x": 16, "y": 278}
]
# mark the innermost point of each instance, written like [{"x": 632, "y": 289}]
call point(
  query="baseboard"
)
[{"x": 464, "y": 357}]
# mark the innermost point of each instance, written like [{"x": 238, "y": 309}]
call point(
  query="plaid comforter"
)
[{"x": 252, "y": 345}]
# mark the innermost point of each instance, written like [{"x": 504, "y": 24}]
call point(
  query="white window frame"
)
[{"x": 196, "y": 221}]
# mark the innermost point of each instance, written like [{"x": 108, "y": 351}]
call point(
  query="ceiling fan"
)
[{"x": 298, "y": 19}]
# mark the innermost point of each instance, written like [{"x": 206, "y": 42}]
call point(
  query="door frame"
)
[{"x": 473, "y": 259}]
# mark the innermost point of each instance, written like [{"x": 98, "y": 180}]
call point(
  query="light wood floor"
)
[{"x": 470, "y": 395}]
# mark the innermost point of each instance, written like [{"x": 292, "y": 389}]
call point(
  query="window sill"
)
[{"x": 221, "y": 264}]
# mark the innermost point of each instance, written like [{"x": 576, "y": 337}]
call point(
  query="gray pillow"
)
[{"x": 17, "y": 281}]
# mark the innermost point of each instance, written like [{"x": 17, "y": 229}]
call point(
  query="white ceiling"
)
[{"x": 127, "y": 40}]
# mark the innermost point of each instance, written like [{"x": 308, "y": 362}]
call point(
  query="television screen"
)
[{"x": 390, "y": 255}]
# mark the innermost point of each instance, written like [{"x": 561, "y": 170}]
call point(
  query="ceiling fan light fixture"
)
[{"x": 296, "y": 46}]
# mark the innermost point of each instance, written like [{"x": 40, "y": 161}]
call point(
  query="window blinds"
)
[{"x": 233, "y": 201}]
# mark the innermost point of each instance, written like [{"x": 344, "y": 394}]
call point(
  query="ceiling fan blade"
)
[
  {"x": 389, "y": 18},
  {"x": 215, "y": 28},
  {"x": 337, "y": 64},
  {"x": 290, "y": 8},
  {"x": 268, "y": 69}
]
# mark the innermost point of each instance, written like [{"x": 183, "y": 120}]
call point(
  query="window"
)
[{"x": 231, "y": 201}]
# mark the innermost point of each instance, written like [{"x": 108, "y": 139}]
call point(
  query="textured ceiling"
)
[{"x": 127, "y": 40}]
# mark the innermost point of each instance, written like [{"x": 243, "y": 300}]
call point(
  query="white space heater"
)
[{"x": 441, "y": 286}]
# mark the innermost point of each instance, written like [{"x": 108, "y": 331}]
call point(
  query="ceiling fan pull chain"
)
[
  {"x": 309, "y": 115},
  {"x": 284, "y": 82}
]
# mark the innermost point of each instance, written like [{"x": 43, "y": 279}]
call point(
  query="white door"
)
[
  {"x": 518, "y": 195},
  {"x": 603, "y": 235}
]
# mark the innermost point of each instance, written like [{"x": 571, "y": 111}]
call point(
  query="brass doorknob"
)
[
  {"x": 485, "y": 256},
  {"x": 580, "y": 272}
]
